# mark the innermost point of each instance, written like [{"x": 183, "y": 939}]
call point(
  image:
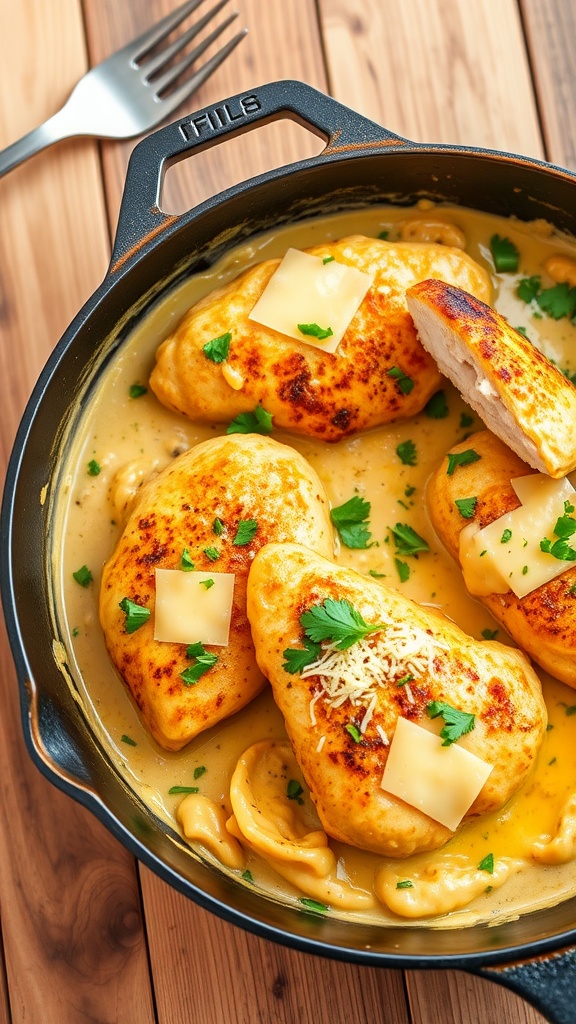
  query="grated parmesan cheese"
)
[{"x": 320, "y": 744}]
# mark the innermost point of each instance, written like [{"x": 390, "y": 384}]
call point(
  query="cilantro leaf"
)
[
  {"x": 458, "y": 723},
  {"x": 83, "y": 576},
  {"x": 315, "y": 331},
  {"x": 94, "y": 468},
  {"x": 136, "y": 614},
  {"x": 406, "y": 452},
  {"x": 294, "y": 791},
  {"x": 437, "y": 407},
  {"x": 212, "y": 553},
  {"x": 314, "y": 905},
  {"x": 137, "y": 390},
  {"x": 298, "y": 659},
  {"x": 218, "y": 348},
  {"x": 408, "y": 542},
  {"x": 405, "y": 883},
  {"x": 565, "y": 527},
  {"x": 177, "y": 790},
  {"x": 528, "y": 288},
  {"x": 489, "y": 634},
  {"x": 186, "y": 563},
  {"x": 487, "y": 864},
  {"x": 403, "y": 570},
  {"x": 466, "y": 506},
  {"x": 218, "y": 527},
  {"x": 466, "y": 420},
  {"x": 257, "y": 422},
  {"x": 337, "y": 621},
  {"x": 461, "y": 459},
  {"x": 559, "y": 301},
  {"x": 246, "y": 532},
  {"x": 404, "y": 382},
  {"x": 505, "y": 254},
  {"x": 203, "y": 660},
  {"x": 350, "y": 522}
]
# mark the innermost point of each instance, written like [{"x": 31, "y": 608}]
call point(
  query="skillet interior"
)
[{"x": 57, "y": 735}]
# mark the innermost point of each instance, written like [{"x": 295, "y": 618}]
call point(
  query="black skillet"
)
[{"x": 362, "y": 164}]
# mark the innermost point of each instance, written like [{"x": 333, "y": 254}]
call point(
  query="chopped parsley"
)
[
  {"x": 507, "y": 535},
  {"x": 246, "y": 532},
  {"x": 337, "y": 621},
  {"x": 404, "y": 382},
  {"x": 437, "y": 407},
  {"x": 128, "y": 740},
  {"x": 528, "y": 288},
  {"x": 186, "y": 563},
  {"x": 314, "y": 905},
  {"x": 557, "y": 302},
  {"x": 94, "y": 468},
  {"x": 315, "y": 331},
  {"x": 207, "y": 584},
  {"x": 136, "y": 614},
  {"x": 403, "y": 570},
  {"x": 137, "y": 390},
  {"x": 257, "y": 422},
  {"x": 218, "y": 527},
  {"x": 182, "y": 789},
  {"x": 298, "y": 659},
  {"x": 406, "y": 883},
  {"x": 466, "y": 458},
  {"x": 354, "y": 732},
  {"x": 565, "y": 527},
  {"x": 383, "y": 235},
  {"x": 406, "y": 452},
  {"x": 199, "y": 771},
  {"x": 405, "y": 679},
  {"x": 376, "y": 575},
  {"x": 489, "y": 634},
  {"x": 505, "y": 254},
  {"x": 409, "y": 491},
  {"x": 487, "y": 864},
  {"x": 294, "y": 791},
  {"x": 218, "y": 348},
  {"x": 407, "y": 541},
  {"x": 466, "y": 420},
  {"x": 83, "y": 576},
  {"x": 247, "y": 876},
  {"x": 466, "y": 506},
  {"x": 350, "y": 520},
  {"x": 327, "y": 259},
  {"x": 458, "y": 723},
  {"x": 203, "y": 660},
  {"x": 212, "y": 553}
]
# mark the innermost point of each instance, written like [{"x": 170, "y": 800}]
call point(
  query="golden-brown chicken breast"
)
[
  {"x": 309, "y": 391},
  {"x": 521, "y": 396},
  {"x": 194, "y": 508},
  {"x": 342, "y": 712},
  {"x": 543, "y": 622}
]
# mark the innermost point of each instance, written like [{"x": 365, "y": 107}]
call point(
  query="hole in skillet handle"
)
[
  {"x": 547, "y": 982},
  {"x": 141, "y": 219}
]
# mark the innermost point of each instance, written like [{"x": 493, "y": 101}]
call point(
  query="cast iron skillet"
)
[{"x": 361, "y": 164}]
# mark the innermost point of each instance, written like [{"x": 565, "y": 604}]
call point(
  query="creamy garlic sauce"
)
[{"x": 137, "y": 436}]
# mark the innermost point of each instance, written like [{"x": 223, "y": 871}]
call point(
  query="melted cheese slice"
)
[
  {"x": 187, "y": 612},
  {"x": 305, "y": 290},
  {"x": 442, "y": 782},
  {"x": 506, "y": 554}
]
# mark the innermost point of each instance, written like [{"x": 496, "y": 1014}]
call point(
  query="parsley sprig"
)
[
  {"x": 565, "y": 527},
  {"x": 557, "y": 302},
  {"x": 257, "y": 422},
  {"x": 335, "y": 621},
  {"x": 218, "y": 348},
  {"x": 404, "y": 382},
  {"x": 203, "y": 660},
  {"x": 136, "y": 614},
  {"x": 458, "y": 723},
  {"x": 315, "y": 331},
  {"x": 350, "y": 520},
  {"x": 456, "y": 459},
  {"x": 505, "y": 254},
  {"x": 407, "y": 541}
]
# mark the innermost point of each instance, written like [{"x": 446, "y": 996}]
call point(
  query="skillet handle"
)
[
  {"x": 547, "y": 982},
  {"x": 141, "y": 218}
]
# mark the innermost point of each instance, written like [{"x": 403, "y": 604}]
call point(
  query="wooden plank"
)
[
  {"x": 265, "y": 55},
  {"x": 435, "y": 70},
  {"x": 452, "y": 997},
  {"x": 71, "y": 922},
  {"x": 4, "y": 1005},
  {"x": 215, "y": 972},
  {"x": 550, "y": 31}
]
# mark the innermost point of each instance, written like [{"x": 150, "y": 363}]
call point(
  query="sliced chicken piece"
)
[
  {"x": 342, "y": 745},
  {"x": 306, "y": 390},
  {"x": 518, "y": 393},
  {"x": 229, "y": 479}
]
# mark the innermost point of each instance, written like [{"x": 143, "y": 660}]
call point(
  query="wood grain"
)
[{"x": 551, "y": 31}]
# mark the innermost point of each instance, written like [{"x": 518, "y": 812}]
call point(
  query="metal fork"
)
[{"x": 125, "y": 95}]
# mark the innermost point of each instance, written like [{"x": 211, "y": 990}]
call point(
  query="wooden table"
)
[{"x": 87, "y": 933}]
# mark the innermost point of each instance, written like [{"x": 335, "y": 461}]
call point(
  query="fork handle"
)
[{"x": 53, "y": 130}]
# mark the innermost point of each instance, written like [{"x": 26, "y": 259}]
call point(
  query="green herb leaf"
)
[
  {"x": 466, "y": 506},
  {"x": 528, "y": 288},
  {"x": 406, "y": 883},
  {"x": 204, "y": 660},
  {"x": 298, "y": 658},
  {"x": 246, "y": 532},
  {"x": 354, "y": 732},
  {"x": 404, "y": 382},
  {"x": 338, "y": 622},
  {"x": 505, "y": 254},
  {"x": 247, "y": 876},
  {"x": 327, "y": 259},
  {"x": 506, "y": 536},
  {"x": 350, "y": 522},
  {"x": 217, "y": 350},
  {"x": 218, "y": 527},
  {"x": 405, "y": 679},
  {"x": 383, "y": 235},
  {"x": 403, "y": 570},
  {"x": 437, "y": 406},
  {"x": 294, "y": 791},
  {"x": 466, "y": 420},
  {"x": 257, "y": 422},
  {"x": 182, "y": 789},
  {"x": 200, "y": 771},
  {"x": 487, "y": 864},
  {"x": 570, "y": 710},
  {"x": 137, "y": 390},
  {"x": 83, "y": 576},
  {"x": 559, "y": 301},
  {"x": 489, "y": 634},
  {"x": 212, "y": 553},
  {"x": 406, "y": 452},
  {"x": 466, "y": 458},
  {"x": 376, "y": 575},
  {"x": 408, "y": 542},
  {"x": 315, "y": 331},
  {"x": 565, "y": 527},
  {"x": 207, "y": 584},
  {"x": 458, "y": 723},
  {"x": 136, "y": 614},
  {"x": 314, "y": 905},
  {"x": 94, "y": 468},
  {"x": 128, "y": 740},
  {"x": 186, "y": 563}
]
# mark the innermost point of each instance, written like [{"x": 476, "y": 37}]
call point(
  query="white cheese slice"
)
[
  {"x": 442, "y": 782},
  {"x": 506, "y": 554},
  {"x": 187, "y": 612},
  {"x": 305, "y": 290}
]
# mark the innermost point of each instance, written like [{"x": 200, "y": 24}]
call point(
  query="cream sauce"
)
[{"x": 131, "y": 438}]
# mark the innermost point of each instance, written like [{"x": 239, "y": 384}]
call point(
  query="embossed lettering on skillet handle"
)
[{"x": 141, "y": 217}]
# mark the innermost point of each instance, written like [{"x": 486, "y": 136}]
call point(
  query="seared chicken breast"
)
[
  {"x": 341, "y": 715},
  {"x": 520, "y": 395},
  {"x": 543, "y": 623},
  {"x": 232, "y": 480},
  {"x": 379, "y": 372}
]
